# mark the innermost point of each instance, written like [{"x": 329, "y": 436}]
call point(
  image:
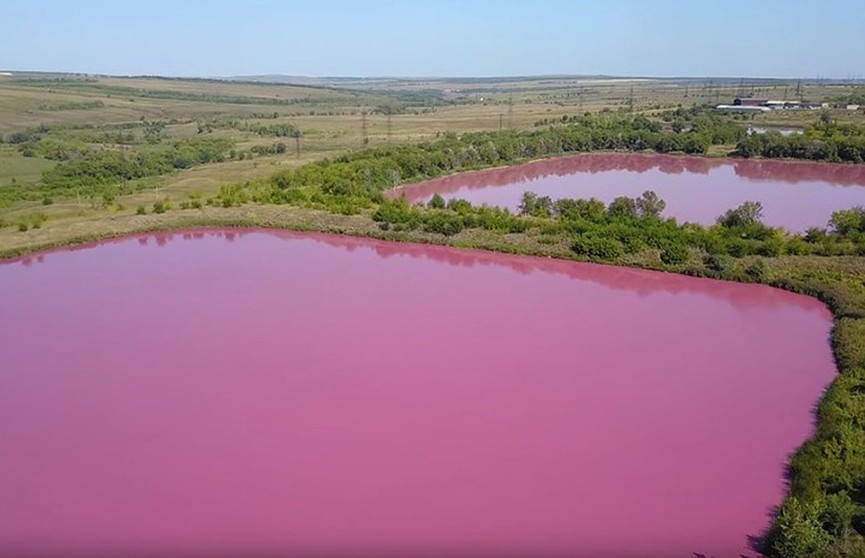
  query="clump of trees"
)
[
  {"x": 826, "y": 140},
  {"x": 282, "y": 130},
  {"x": 101, "y": 167}
]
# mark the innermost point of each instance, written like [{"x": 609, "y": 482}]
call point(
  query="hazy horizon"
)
[
  {"x": 264, "y": 76},
  {"x": 445, "y": 39}
]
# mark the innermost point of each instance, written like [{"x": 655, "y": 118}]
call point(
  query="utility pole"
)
[
  {"x": 364, "y": 137},
  {"x": 297, "y": 143},
  {"x": 501, "y": 121},
  {"x": 388, "y": 126},
  {"x": 799, "y": 90},
  {"x": 510, "y": 112},
  {"x": 631, "y": 101}
]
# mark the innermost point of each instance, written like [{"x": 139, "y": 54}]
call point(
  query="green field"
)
[{"x": 72, "y": 114}]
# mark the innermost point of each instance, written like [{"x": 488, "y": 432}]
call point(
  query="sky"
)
[{"x": 220, "y": 38}]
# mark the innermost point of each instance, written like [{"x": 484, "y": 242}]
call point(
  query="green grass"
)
[
  {"x": 17, "y": 173},
  {"x": 24, "y": 170}
]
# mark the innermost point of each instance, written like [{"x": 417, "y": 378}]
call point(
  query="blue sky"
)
[{"x": 732, "y": 38}]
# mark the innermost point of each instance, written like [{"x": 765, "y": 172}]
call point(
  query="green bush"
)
[
  {"x": 161, "y": 206},
  {"x": 848, "y": 341},
  {"x": 674, "y": 253},
  {"x": 719, "y": 264},
  {"x": 443, "y": 223},
  {"x": 599, "y": 249},
  {"x": 756, "y": 270}
]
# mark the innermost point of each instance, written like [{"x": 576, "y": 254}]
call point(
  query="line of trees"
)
[
  {"x": 826, "y": 140},
  {"x": 361, "y": 176},
  {"x": 632, "y": 225},
  {"x": 101, "y": 167}
]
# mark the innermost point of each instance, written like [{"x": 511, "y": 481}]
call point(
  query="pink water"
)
[
  {"x": 259, "y": 392},
  {"x": 795, "y": 195}
]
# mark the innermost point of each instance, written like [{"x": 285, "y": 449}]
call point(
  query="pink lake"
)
[
  {"x": 795, "y": 195},
  {"x": 271, "y": 393}
]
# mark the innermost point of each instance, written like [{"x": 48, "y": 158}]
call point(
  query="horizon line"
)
[{"x": 235, "y": 77}]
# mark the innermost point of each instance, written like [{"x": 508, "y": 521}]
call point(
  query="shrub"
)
[
  {"x": 161, "y": 206},
  {"x": 597, "y": 248},
  {"x": 674, "y": 253},
  {"x": 718, "y": 264},
  {"x": 848, "y": 340},
  {"x": 443, "y": 223},
  {"x": 756, "y": 270}
]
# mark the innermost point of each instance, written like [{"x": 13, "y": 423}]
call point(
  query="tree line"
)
[
  {"x": 826, "y": 140},
  {"x": 99, "y": 167}
]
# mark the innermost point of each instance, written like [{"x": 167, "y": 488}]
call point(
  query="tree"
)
[
  {"x": 537, "y": 206},
  {"x": 746, "y": 215},
  {"x": 649, "y": 204},
  {"x": 798, "y": 532},
  {"x": 437, "y": 201},
  {"x": 622, "y": 207},
  {"x": 846, "y": 221},
  {"x": 528, "y": 202}
]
